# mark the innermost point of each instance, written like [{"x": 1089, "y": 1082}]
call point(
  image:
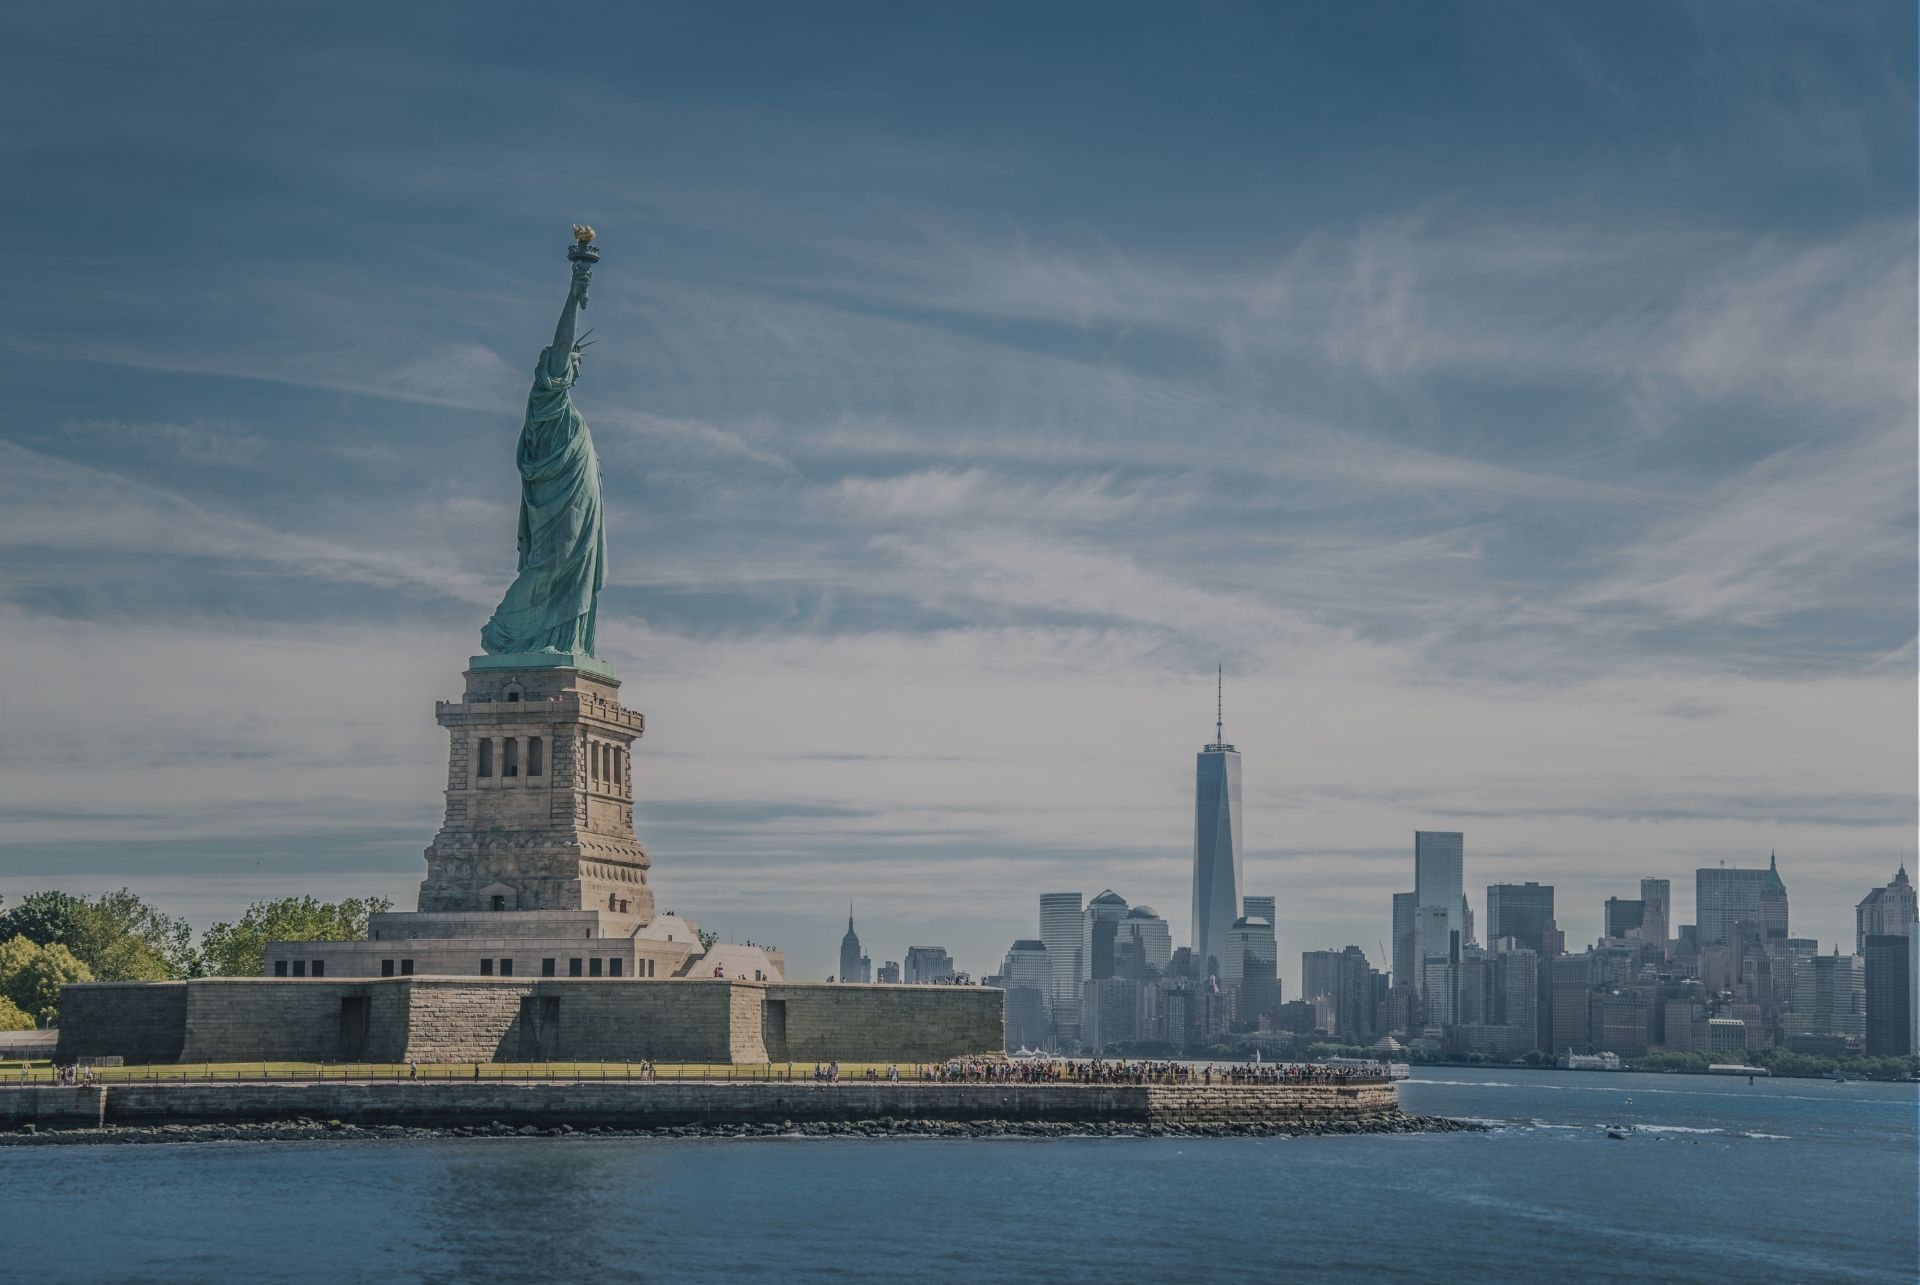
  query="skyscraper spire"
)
[{"x": 1219, "y": 703}]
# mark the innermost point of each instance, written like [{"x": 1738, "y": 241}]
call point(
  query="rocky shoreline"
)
[{"x": 302, "y": 1130}]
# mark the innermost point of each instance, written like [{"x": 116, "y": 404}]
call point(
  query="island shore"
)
[{"x": 301, "y": 1130}]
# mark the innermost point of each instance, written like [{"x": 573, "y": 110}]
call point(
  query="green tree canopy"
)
[
  {"x": 31, "y": 976},
  {"x": 118, "y": 936},
  {"x": 42, "y": 918},
  {"x": 240, "y": 949},
  {"x": 12, "y": 1017}
]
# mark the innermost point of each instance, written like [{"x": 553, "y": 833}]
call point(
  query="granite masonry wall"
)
[
  {"x": 148, "y": 1020},
  {"x": 477, "y": 1019},
  {"x": 638, "y": 1104},
  {"x": 856, "y": 1023}
]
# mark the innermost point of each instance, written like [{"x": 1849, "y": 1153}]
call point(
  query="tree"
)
[
  {"x": 123, "y": 939},
  {"x": 707, "y": 939},
  {"x": 42, "y": 918},
  {"x": 12, "y": 1018},
  {"x": 240, "y": 949},
  {"x": 31, "y": 976},
  {"x": 119, "y": 937}
]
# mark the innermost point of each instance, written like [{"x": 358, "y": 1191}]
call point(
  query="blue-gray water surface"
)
[{"x": 1784, "y": 1180}]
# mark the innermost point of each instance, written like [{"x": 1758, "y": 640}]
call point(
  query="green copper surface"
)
[
  {"x": 551, "y": 606},
  {"x": 543, "y": 660}
]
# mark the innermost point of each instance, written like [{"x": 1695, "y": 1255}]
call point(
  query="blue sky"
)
[{"x": 1517, "y": 399}]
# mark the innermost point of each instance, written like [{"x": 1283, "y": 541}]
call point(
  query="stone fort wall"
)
[{"x": 476, "y": 1019}]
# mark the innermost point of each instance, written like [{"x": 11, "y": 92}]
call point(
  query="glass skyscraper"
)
[
  {"x": 1216, "y": 851},
  {"x": 1440, "y": 921},
  {"x": 1060, "y": 932},
  {"x": 1522, "y": 911}
]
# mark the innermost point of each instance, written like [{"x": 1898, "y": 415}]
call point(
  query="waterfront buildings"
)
[
  {"x": 1829, "y": 998},
  {"x": 1725, "y": 897},
  {"x": 1892, "y": 965},
  {"x": 1217, "y": 839},
  {"x": 854, "y": 966}
]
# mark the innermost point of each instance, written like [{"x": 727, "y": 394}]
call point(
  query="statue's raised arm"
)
[
  {"x": 565, "y": 343},
  {"x": 552, "y": 604}
]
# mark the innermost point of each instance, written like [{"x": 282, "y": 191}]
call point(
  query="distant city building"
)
[
  {"x": 1829, "y": 997},
  {"x": 1656, "y": 922},
  {"x": 1150, "y": 941},
  {"x": 1099, "y": 931},
  {"x": 1725, "y": 896},
  {"x": 929, "y": 964},
  {"x": 1027, "y": 976},
  {"x": 1623, "y": 918},
  {"x": 1217, "y": 842},
  {"x": 1345, "y": 979},
  {"x": 1402, "y": 964},
  {"x": 1522, "y": 911},
  {"x": 1726, "y": 1035},
  {"x": 1889, "y": 910},
  {"x": 1061, "y": 930},
  {"x": 854, "y": 967},
  {"x": 1250, "y": 967},
  {"x": 1259, "y": 908},
  {"x": 889, "y": 973},
  {"x": 1437, "y": 859},
  {"x": 1893, "y": 994}
]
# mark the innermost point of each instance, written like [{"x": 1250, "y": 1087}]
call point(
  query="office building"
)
[
  {"x": 1656, "y": 920},
  {"x": 1402, "y": 964},
  {"x": 1345, "y": 979},
  {"x": 1893, "y": 994},
  {"x": 1725, "y": 896},
  {"x": 1099, "y": 931},
  {"x": 1522, "y": 911},
  {"x": 1437, "y": 860},
  {"x": 1061, "y": 931},
  {"x": 1217, "y": 872},
  {"x": 854, "y": 967},
  {"x": 929, "y": 964},
  {"x": 1250, "y": 967},
  {"x": 1027, "y": 977},
  {"x": 889, "y": 973},
  {"x": 1259, "y": 908},
  {"x": 1623, "y": 919},
  {"x": 1829, "y": 997},
  {"x": 1889, "y": 910},
  {"x": 1149, "y": 940},
  {"x": 1433, "y": 945}
]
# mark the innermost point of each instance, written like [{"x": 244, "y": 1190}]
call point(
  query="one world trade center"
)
[{"x": 1216, "y": 847}]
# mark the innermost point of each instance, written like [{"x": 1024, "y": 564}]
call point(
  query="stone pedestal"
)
[{"x": 540, "y": 795}]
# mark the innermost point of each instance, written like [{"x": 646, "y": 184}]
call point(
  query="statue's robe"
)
[{"x": 551, "y": 604}]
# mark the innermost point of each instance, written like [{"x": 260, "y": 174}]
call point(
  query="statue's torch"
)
[{"x": 583, "y": 254}]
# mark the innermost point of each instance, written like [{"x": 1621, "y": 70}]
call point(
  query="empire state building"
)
[{"x": 1216, "y": 846}]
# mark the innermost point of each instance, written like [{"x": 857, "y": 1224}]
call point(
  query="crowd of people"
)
[{"x": 1106, "y": 1071}]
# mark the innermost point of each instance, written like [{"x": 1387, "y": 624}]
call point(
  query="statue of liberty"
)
[{"x": 550, "y": 606}]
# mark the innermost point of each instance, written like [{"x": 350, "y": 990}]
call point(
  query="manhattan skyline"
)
[{"x": 1532, "y": 443}]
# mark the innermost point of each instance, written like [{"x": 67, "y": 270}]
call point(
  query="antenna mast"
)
[{"x": 1219, "y": 703}]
